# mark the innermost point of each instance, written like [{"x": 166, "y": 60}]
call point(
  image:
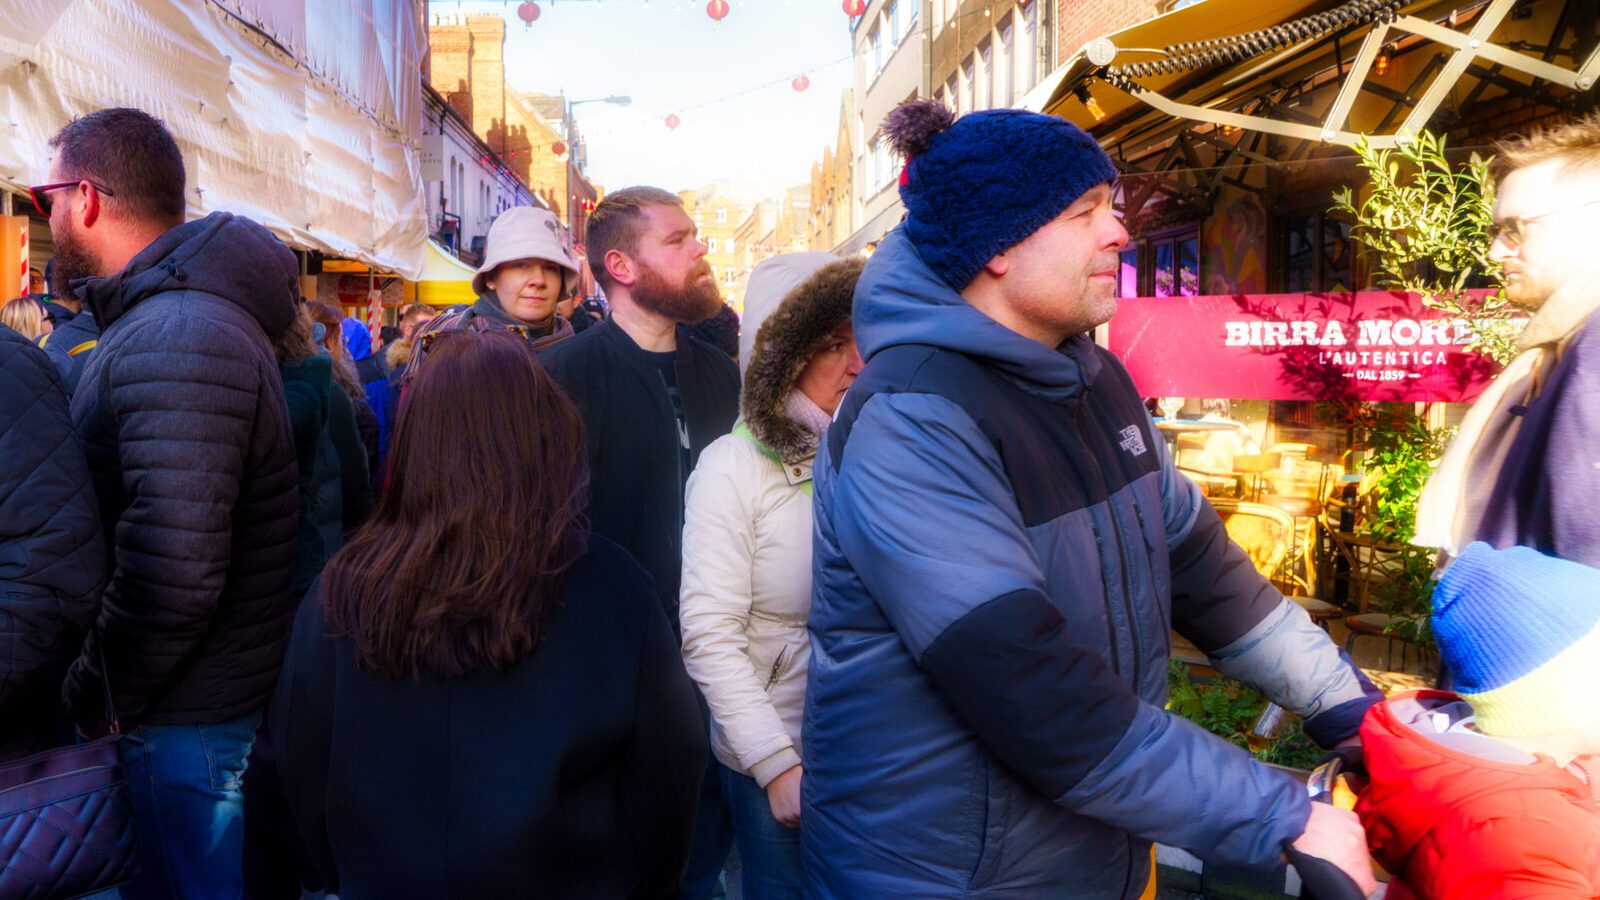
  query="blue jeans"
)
[
  {"x": 768, "y": 851},
  {"x": 189, "y": 807},
  {"x": 712, "y": 840}
]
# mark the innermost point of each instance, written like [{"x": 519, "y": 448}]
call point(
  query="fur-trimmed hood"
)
[{"x": 785, "y": 341}]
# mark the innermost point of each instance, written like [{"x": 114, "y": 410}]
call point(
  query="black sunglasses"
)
[{"x": 40, "y": 193}]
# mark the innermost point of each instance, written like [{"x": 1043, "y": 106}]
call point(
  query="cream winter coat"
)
[
  {"x": 746, "y": 593},
  {"x": 746, "y": 589}
]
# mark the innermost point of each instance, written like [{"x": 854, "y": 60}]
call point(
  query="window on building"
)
[
  {"x": 909, "y": 18},
  {"x": 892, "y": 15},
  {"x": 876, "y": 48},
  {"x": 1314, "y": 253},
  {"x": 1166, "y": 264},
  {"x": 1005, "y": 67},
  {"x": 968, "y": 87},
  {"x": 722, "y": 214},
  {"x": 1027, "y": 47},
  {"x": 985, "y": 75},
  {"x": 952, "y": 96},
  {"x": 711, "y": 245}
]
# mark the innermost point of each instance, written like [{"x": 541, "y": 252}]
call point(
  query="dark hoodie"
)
[
  {"x": 558, "y": 329},
  {"x": 183, "y": 419}
]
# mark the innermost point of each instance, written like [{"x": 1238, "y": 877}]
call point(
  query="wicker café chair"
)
[{"x": 1266, "y": 534}]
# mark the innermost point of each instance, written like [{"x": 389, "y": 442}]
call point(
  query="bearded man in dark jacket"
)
[
  {"x": 653, "y": 396},
  {"x": 183, "y": 419}
]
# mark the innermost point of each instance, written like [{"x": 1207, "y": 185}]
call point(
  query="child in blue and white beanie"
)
[{"x": 1491, "y": 791}]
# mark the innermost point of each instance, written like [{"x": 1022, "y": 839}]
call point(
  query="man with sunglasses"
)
[
  {"x": 1525, "y": 467},
  {"x": 182, "y": 415}
]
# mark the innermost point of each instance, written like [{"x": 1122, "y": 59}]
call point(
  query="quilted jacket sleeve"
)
[
  {"x": 184, "y": 406},
  {"x": 969, "y": 602},
  {"x": 52, "y": 555}
]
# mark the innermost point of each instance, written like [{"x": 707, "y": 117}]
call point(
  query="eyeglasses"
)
[
  {"x": 423, "y": 343},
  {"x": 40, "y": 193},
  {"x": 1515, "y": 228}
]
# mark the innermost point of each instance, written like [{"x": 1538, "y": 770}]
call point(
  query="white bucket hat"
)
[{"x": 525, "y": 232}]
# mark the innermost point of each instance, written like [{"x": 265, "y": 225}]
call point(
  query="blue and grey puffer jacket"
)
[{"x": 1002, "y": 549}]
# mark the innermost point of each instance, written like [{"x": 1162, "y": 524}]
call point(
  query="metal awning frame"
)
[{"x": 1469, "y": 47}]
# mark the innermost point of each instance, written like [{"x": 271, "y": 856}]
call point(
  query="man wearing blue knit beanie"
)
[
  {"x": 1490, "y": 792},
  {"x": 1002, "y": 549}
]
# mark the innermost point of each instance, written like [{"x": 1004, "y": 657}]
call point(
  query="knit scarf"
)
[
  {"x": 800, "y": 408},
  {"x": 1452, "y": 502}
]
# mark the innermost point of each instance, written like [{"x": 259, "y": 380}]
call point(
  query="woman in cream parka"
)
[{"x": 747, "y": 552}]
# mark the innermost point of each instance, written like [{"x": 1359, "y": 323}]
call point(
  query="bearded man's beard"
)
[
  {"x": 70, "y": 263},
  {"x": 690, "y": 302}
]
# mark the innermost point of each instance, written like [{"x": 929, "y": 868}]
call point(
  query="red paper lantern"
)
[
  {"x": 671, "y": 120},
  {"x": 558, "y": 148},
  {"x": 800, "y": 82},
  {"x": 717, "y": 9},
  {"x": 528, "y": 13},
  {"x": 853, "y": 8}
]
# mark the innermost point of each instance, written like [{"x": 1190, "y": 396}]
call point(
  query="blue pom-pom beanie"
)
[
  {"x": 1520, "y": 631},
  {"x": 991, "y": 179}
]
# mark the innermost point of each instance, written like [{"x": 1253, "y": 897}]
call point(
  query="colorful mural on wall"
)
[{"x": 1235, "y": 245}]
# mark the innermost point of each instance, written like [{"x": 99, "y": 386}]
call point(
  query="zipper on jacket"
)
[
  {"x": 1163, "y": 611},
  {"x": 1100, "y": 550},
  {"x": 777, "y": 667},
  {"x": 1122, "y": 555}
]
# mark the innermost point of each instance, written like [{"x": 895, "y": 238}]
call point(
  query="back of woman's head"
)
[
  {"x": 25, "y": 315},
  {"x": 344, "y": 368},
  {"x": 483, "y": 515}
]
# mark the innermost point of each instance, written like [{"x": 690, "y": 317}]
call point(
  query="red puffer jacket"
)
[{"x": 1457, "y": 814}]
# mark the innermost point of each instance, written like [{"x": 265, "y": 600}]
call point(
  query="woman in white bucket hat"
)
[{"x": 527, "y": 269}]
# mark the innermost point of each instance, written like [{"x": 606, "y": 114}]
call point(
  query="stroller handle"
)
[{"x": 1320, "y": 879}]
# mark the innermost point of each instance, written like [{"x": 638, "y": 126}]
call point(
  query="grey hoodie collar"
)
[{"x": 900, "y": 301}]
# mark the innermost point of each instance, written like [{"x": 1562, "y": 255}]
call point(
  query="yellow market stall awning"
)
[{"x": 446, "y": 281}]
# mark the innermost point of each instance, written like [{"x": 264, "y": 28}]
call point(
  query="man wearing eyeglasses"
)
[
  {"x": 1525, "y": 467},
  {"x": 182, "y": 416}
]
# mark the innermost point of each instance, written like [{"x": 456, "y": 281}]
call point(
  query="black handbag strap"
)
[{"x": 112, "y": 725}]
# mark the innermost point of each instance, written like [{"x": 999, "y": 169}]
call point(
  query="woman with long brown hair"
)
[{"x": 480, "y": 698}]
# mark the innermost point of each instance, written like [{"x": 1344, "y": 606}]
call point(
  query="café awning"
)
[
  {"x": 445, "y": 281},
  {"x": 1320, "y": 70}
]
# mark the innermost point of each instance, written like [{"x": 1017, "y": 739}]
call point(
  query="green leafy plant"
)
[
  {"x": 1424, "y": 225},
  {"x": 1228, "y": 709},
  {"x": 1400, "y": 460}
]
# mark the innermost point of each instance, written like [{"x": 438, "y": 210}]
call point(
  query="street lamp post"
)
[{"x": 572, "y": 148}]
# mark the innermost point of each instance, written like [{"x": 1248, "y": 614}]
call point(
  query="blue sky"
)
[{"x": 671, "y": 57}]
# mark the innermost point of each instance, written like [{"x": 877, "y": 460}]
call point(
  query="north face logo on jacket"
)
[{"x": 1132, "y": 440}]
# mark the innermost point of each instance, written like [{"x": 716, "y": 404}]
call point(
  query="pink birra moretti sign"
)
[{"x": 1369, "y": 345}]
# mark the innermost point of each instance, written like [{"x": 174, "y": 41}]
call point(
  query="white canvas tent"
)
[{"x": 301, "y": 114}]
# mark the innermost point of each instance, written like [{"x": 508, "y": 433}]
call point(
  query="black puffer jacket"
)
[
  {"x": 52, "y": 559},
  {"x": 183, "y": 418}
]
